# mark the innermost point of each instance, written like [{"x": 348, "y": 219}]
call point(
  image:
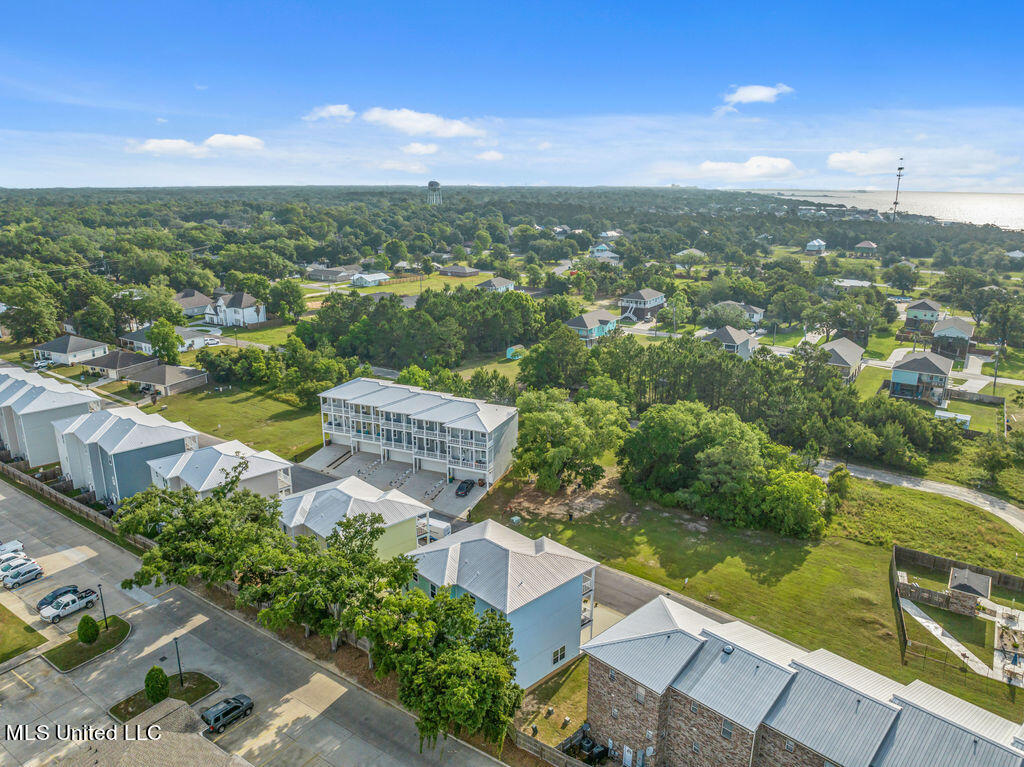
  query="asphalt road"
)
[{"x": 305, "y": 714}]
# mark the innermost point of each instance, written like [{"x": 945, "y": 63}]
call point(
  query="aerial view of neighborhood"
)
[{"x": 355, "y": 417}]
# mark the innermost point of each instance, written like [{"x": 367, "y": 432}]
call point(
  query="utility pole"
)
[
  {"x": 181, "y": 677},
  {"x": 103, "y": 606},
  {"x": 896, "y": 202}
]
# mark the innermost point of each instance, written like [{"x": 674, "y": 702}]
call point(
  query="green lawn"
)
[
  {"x": 1011, "y": 364},
  {"x": 831, "y": 593},
  {"x": 870, "y": 379},
  {"x": 73, "y": 653},
  {"x": 487, "y": 363},
  {"x": 270, "y": 336},
  {"x": 417, "y": 286},
  {"x": 566, "y": 693},
  {"x": 976, "y": 634},
  {"x": 883, "y": 342},
  {"x": 1014, "y": 412},
  {"x": 784, "y": 336},
  {"x": 984, "y": 417},
  {"x": 247, "y": 414},
  {"x": 14, "y": 352},
  {"x": 196, "y": 686},
  {"x": 16, "y": 636},
  {"x": 120, "y": 389}
]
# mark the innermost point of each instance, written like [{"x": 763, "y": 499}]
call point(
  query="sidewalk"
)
[{"x": 951, "y": 643}]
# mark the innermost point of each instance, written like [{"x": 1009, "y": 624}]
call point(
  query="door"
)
[{"x": 627, "y": 756}]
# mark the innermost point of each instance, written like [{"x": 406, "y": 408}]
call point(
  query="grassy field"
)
[
  {"x": 14, "y": 352},
  {"x": 870, "y": 379},
  {"x": 119, "y": 389},
  {"x": 248, "y": 415},
  {"x": 76, "y": 372},
  {"x": 196, "y": 686},
  {"x": 508, "y": 368},
  {"x": 566, "y": 693},
  {"x": 983, "y": 417},
  {"x": 784, "y": 336},
  {"x": 1011, "y": 365},
  {"x": 270, "y": 336},
  {"x": 883, "y": 342},
  {"x": 16, "y": 636},
  {"x": 417, "y": 286},
  {"x": 73, "y": 653},
  {"x": 831, "y": 593},
  {"x": 1014, "y": 412}
]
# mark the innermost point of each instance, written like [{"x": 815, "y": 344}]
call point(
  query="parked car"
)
[
  {"x": 211, "y": 342},
  {"x": 27, "y": 573},
  {"x": 14, "y": 564},
  {"x": 68, "y": 604},
  {"x": 10, "y": 546},
  {"x": 464, "y": 487},
  {"x": 40, "y": 364},
  {"x": 48, "y": 599},
  {"x": 220, "y": 715},
  {"x": 10, "y": 557}
]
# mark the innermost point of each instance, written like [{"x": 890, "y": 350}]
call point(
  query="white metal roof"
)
[
  {"x": 40, "y": 398},
  {"x": 207, "y": 468},
  {"x": 503, "y": 568},
  {"x": 124, "y": 428},
  {"x": 322, "y": 508}
]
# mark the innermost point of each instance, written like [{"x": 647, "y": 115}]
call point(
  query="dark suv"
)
[
  {"x": 464, "y": 487},
  {"x": 220, "y": 715}
]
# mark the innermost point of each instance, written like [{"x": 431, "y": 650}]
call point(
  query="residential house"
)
[
  {"x": 458, "y": 270},
  {"x": 515, "y": 352},
  {"x": 952, "y": 336},
  {"x": 332, "y": 273},
  {"x": 138, "y": 340},
  {"x": 642, "y": 304},
  {"x": 845, "y": 355},
  {"x": 544, "y": 589},
  {"x": 599, "y": 249},
  {"x": 168, "y": 379},
  {"x": 815, "y": 247},
  {"x": 29, "y": 403},
  {"x": 205, "y": 469},
  {"x": 69, "y": 350},
  {"x": 670, "y": 686},
  {"x": 459, "y": 437},
  {"x": 119, "y": 363},
  {"x": 319, "y": 510},
  {"x": 753, "y": 313},
  {"x": 107, "y": 452},
  {"x": 922, "y": 375},
  {"x": 369, "y": 279},
  {"x": 193, "y": 303},
  {"x": 865, "y": 248},
  {"x": 1015, "y": 254},
  {"x": 924, "y": 310},
  {"x": 733, "y": 340},
  {"x": 496, "y": 285},
  {"x": 846, "y": 284},
  {"x": 593, "y": 325},
  {"x": 561, "y": 231},
  {"x": 611, "y": 234},
  {"x": 236, "y": 310},
  {"x": 695, "y": 252}
]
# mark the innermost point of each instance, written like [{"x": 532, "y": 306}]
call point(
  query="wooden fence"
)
[
  {"x": 901, "y": 626},
  {"x": 904, "y": 556},
  {"x": 549, "y": 754}
]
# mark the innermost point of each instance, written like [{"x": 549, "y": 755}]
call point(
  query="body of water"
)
[{"x": 1003, "y": 210}]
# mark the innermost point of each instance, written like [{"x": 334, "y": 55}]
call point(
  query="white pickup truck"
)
[
  {"x": 10, "y": 546},
  {"x": 68, "y": 604}
]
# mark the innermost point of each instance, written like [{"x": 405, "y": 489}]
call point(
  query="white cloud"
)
[
  {"x": 199, "y": 87},
  {"x": 491, "y": 155},
  {"x": 756, "y": 168},
  {"x": 544, "y": 145},
  {"x": 161, "y": 120},
  {"x": 420, "y": 123},
  {"x": 417, "y": 148},
  {"x": 330, "y": 111},
  {"x": 180, "y": 147},
  {"x": 756, "y": 94},
  {"x": 405, "y": 166},
  {"x": 864, "y": 163}
]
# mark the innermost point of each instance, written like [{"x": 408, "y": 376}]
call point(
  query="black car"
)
[
  {"x": 464, "y": 487},
  {"x": 220, "y": 715},
  {"x": 55, "y": 594}
]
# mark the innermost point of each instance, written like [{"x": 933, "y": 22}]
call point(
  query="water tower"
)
[{"x": 433, "y": 193}]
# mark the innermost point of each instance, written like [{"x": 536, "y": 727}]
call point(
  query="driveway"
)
[{"x": 305, "y": 714}]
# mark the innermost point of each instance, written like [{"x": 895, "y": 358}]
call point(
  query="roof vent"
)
[{"x": 728, "y": 649}]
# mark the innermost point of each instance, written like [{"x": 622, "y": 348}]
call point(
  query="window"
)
[
  {"x": 558, "y": 656},
  {"x": 693, "y": 706},
  {"x": 727, "y": 729},
  {"x": 789, "y": 746},
  {"x": 615, "y": 713},
  {"x": 640, "y": 692},
  {"x": 611, "y": 675},
  {"x": 696, "y": 747},
  {"x": 433, "y": 591},
  {"x": 415, "y": 577}
]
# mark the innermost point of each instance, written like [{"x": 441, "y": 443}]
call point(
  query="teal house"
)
[
  {"x": 515, "y": 352},
  {"x": 593, "y": 325},
  {"x": 924, "y": 310},
  {"x": 544, "y": 589},
  {"x": 922, "y": 376}
]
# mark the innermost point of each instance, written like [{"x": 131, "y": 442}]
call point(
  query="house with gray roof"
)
[
  {"x": 846, "y": 356},
  {"x": 193, "y": 303},
  {"x": 668, "y": 685},
  {"x": 544, "y": 589},
  {"x": 168, "y": 379},
  {"x": 922, "y": 376},
  {"x": 642, "y": 304},
  {"x": 237, "y": 309},
  {"x": 733, "y": 340},
  {"x": 592, "y": 326},
  {"x": 107, "y": 452},
  {"x": 69, "y": 350},
  {"x": 753, "y": 313},
  {"x": 497, "y": 285},
  {"x": 332, "y": 273},
  {"x": 119, "y": 363},
  {"x": 924, "y": 310},
  {"x": 953, "y": 336},
  {"x": 319, "y": 510},
  {"x": 206, "y": 469},
  {"x": 458, "y": 270},
  {"x": 138, "y": 340}
]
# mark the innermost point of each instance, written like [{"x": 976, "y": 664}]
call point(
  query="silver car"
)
[
  {"x": 25, "y": 574},
  {"x": 13, "y": 564}
]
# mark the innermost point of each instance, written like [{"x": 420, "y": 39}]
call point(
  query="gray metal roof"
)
[
  {"x": 164, "y": 375},
  {"x": 844, "y": 352},
  {"x": 39, "y": 399},
  {"x": 644, "y": 294},
  {"x": 501, "y": 567},
  {"x": 496, "y": 282},
  {"x": 322, "y": 508},
  {"x": 122, "y": 429},
  {"x": 926, "y": 304},
  {"x": 68, "y": 344},
  {"x": 953, "y": 323},
  {"x": 119, "y": 358}
]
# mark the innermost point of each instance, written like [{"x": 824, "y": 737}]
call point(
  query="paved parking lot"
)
[{"x": 304, "y": 714}]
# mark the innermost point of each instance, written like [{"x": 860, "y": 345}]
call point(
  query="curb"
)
[
  {"x": 131, "y": 628},
  {"x": 197, "y": 700}
]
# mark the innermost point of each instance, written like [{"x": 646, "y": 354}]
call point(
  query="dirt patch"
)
[{"x": 577, "y": 503}]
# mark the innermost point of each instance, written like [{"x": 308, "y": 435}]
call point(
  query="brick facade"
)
[
  {"x": 684, "y": 728},
  {"x": 772, "y": 751},
  {"x": 631, "y": 720}
]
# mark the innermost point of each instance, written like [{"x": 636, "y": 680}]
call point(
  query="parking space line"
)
[
  {"x": 235, "y": 728},
  {"x": 278, "y": 752},
  {"x": 23, "y": 680},
  {"x": 314, "y": 756}
]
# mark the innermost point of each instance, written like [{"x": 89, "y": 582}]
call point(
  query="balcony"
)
[{"x": 475, "y": 465}]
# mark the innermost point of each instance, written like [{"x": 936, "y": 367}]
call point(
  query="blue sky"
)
[{"x": 780, "y": 94}]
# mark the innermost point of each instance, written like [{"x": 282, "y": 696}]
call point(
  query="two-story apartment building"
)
[
  {"x": 205, "y": 469},
  {"x": 593, "y": 326},
  {"x": 460, "y": 437},
  {"x": 922, "y": 375},
  {"x": 641, "y": 304},
  {"x": 739, "y": 342},
  {"x": 69, "y": 350},
  {"x": 107, "y": 452},
  {"x": 236, "y": 310},
  {"x": 29, "y": 403},
  {"x": 670, "y": 687},
  {"x": 544, "y": 589},
  {"x": 319, "y": 510}
]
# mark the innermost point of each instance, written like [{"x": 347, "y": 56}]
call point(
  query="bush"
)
[
  {"x": 158, "y": 686},
  {"x": 88, "y": 630}
]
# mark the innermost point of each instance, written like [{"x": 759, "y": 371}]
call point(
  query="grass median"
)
[
  {"x": 197, "y": 686},
  {"x": 16, "y": 636},
  {"x": 73, "y": 653}
]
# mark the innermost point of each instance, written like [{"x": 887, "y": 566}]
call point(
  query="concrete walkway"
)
[
  {"x": 952, "y": 644},
  {"x": 1007, "y": 512}
]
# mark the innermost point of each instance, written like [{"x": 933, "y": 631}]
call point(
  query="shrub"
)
[
  {"x": 88, "y": 630},
  {"x": 158, "y": 686}
]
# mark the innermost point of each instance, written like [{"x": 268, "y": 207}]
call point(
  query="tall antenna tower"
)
[{"x": 896, "y": 202}]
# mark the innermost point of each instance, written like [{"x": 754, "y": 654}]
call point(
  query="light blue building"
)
[
  {"x": 544, "y": 589},
  {"x": 593, "y": 325},
  {"x": 923, "y": 376}
]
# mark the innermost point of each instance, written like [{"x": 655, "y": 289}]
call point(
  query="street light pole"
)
[
  {"x": 102, "y": 605},
  {"x": 177, "y": 652}
]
